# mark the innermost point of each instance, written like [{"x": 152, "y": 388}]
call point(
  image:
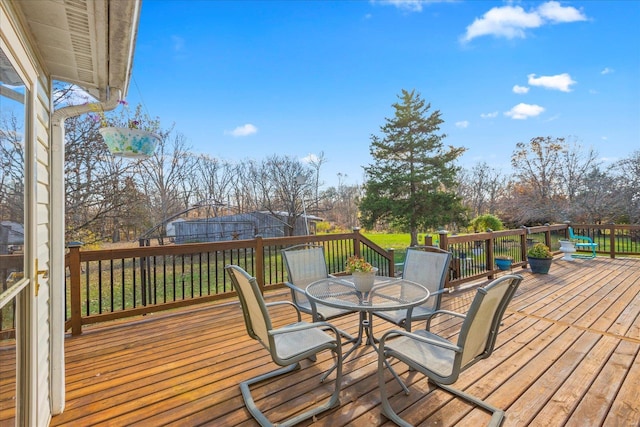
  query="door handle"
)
[{"x": 44, "y": 273}]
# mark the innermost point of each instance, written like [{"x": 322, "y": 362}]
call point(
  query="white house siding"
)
[
  {"x": 35, "y": 394},
  {"x": 43, "y": 309}
]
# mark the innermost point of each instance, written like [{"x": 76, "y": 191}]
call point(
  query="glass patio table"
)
[{"x": 387, "y": 294}]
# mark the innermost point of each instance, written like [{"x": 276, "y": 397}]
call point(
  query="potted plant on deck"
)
[
  {"x": 540, "y": 258},
  {"x": 362, "y": 272},
  {"x": 503, "y": 262}
]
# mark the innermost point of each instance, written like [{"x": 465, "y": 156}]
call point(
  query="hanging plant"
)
[{"x": 126, "y": 137}]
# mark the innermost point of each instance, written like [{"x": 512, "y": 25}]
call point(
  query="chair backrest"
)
[
  {"x": 428, "y": 266},
  {"x": 254, "y": 310},
  {"x": 571, "y": 235},
  {"x": 305, "y": 264},
  {"x": 480, "y": 328},
  {"x": 576, "y": 237}
]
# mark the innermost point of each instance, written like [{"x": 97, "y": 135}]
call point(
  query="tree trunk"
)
[{"x": 414, "y": 237}]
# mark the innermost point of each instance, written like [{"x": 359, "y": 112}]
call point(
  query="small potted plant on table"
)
[
  {"x": 540, "y": 258},
  {"x": 363, "y": 273}
]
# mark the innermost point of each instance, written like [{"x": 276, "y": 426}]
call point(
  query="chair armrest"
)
[
  {"x": 274, "y": 303},
  {"x": 447, "y": 312},
  {"x": 294, "y": 289},
  {"x": 397, "y": 332}
]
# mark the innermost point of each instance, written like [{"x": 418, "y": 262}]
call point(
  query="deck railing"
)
[
  {"x": 474, "y": 254},
  {"x": 110, "y": 284},
  {"x": 105, "y": 285}
]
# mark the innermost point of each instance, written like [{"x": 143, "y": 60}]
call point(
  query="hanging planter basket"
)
[{"x": 130, "y": 143}]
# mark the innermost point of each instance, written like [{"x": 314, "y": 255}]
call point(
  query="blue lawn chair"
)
[{"x": 584, "y": 244}]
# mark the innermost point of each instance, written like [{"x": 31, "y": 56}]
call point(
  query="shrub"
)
[
  {"x": 539, "y": 250},
  {"x": 482, "y": 222}
]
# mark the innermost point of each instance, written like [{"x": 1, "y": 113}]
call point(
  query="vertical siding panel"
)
[{"x": 42, "y": 147}]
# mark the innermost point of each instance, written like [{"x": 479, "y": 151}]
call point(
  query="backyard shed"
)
[{"x": 240, "y": 226}]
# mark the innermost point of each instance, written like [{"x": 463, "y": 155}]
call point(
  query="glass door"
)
[{"x": 13, "y": 283}]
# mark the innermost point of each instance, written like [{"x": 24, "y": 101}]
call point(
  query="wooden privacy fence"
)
[{"x": 105, "y": 285}]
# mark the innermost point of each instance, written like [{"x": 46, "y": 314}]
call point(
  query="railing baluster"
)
[{"x": 122, "y": 284}]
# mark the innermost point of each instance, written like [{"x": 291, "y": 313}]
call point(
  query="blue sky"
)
[{"x": 249, "y": 79}]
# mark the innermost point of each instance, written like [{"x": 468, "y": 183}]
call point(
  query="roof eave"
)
[{"x": 89, "y": 43}]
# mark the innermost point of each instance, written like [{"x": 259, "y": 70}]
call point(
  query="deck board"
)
[{"x": 568, "y": 353}]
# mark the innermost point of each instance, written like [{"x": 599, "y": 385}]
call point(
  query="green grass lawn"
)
[{"x": 399, "y": 242}]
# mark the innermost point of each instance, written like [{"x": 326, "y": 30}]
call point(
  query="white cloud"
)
[
  {"x": 511, "y": 21},
  {"x": 244, "y": 130},
  {"x": 607, "y": 70},
  {"x": 409, "y": 5},
  {"x": 560, "y": 82},
  {"x": 554, "y": 12},
  {"x": 489, "y": 115},
  {"x": 520, "y": 89},
  {"x": 506, "y": 21},
  {"x": 524, "y": 111},
  {"x": 462, "y": 124}
]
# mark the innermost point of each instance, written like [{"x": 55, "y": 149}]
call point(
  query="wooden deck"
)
[{"x": 567, "y": 354}]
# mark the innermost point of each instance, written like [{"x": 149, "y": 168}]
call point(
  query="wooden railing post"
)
[
  {"x": 490, "y": 253},
  {"x": 523, "y": 246},
  {"x": 74, "y": 283},
  {"x": 612, "y": 241},
  {"x": 454, "y": 267},
  {"x": 547, "y": 236},
  {"x": 444, "y": 243},
  {"x": 356, "y": 241},
  {"x": 259, "y": 251},
  {"x": 392, "y": 263},
  {"x": 144, "y": 271}
]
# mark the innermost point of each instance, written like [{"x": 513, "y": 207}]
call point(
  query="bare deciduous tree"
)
[
  {"x": 280, "y": 180},
  {"x": 628, "y": 176},
  {"x": 538, "y": 171},
  {"x": 481, "y": 188},
  {"x": 12, "y": 170},
  {"x": 94, "y": 182},
  {"x": 162, "y": 177}
]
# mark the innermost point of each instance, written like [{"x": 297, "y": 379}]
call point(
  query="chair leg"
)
[
  {"x": 262, "y": 419},
  {"x": 497, "y": 415},
  {"x": 387, "y": 410}
]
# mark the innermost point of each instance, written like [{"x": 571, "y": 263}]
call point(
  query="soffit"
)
[{"x": 86, "y": 42}]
